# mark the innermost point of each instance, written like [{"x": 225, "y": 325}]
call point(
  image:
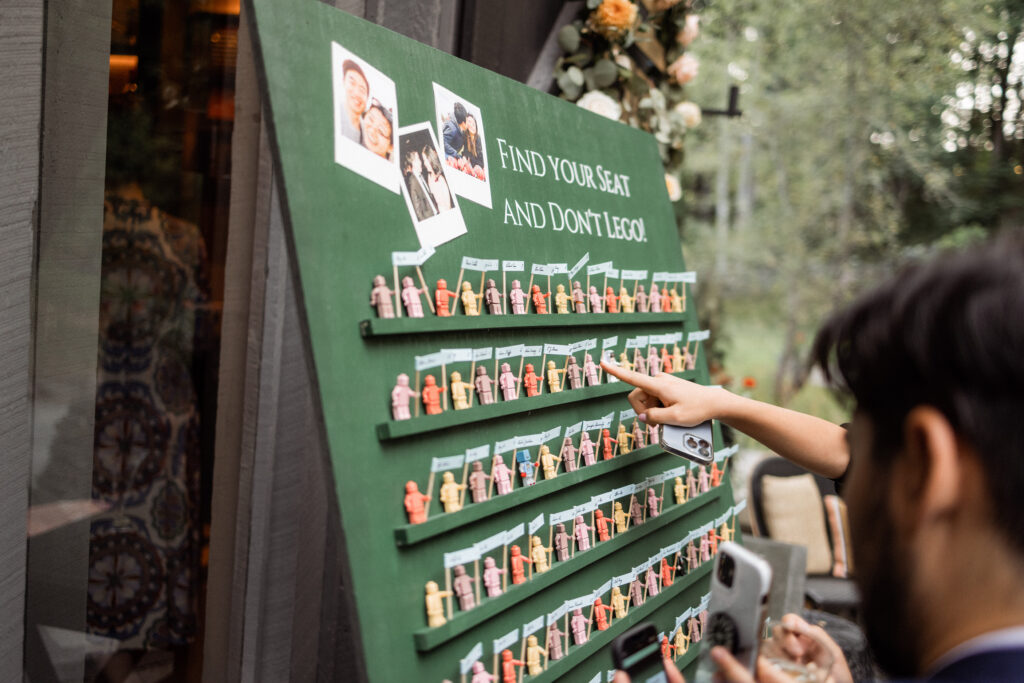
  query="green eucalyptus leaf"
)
[
  {"x": 569, "y": 38},
  {"x": 575, "y": 75},
  {"x": 605, "y": 73}
]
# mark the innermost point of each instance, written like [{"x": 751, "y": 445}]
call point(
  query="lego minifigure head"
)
[
  {"x": 430, "y": 381},
  {"x": 490, "y": 283},
  {"x": 403, "y": 380},
  {"x": 560, "y": 289},
  {"x": 587, "y": 358},
  {"x": 523, "y": 456},
  {"x": 585, "y": 437},
  {"x": 506, "y": 655},
  {"x": 593, "y": 289},
  {"x": 456, "y": 376},
  {"x": 622, "y": 291},
  {"x": 598, "y": 514},
  {"x": 515, "y": 284},
  {"x": 577, "y": 612},
  {"x": 618, "y": 506},
  {"x": 561, "y": 528},
  {"x": 654, "y": 289},
  {"x": 531, "y": 641},
  {"x": 478, "y": 466},
  {"x": 505, "y": 367},
  {"x": 605, "y": 432},
  {"x": 488, "y": 563},
  {"x": 407, "y": 281},
  {"x": 441, "y": 284},
  {"x": 576, "y": 285},
  {"x": 551, "y": 365},
  {"x": 466, "y": 286},
  {"x": 572, "y": 360},
  {"x": 567, "y": 441},
  {"x": 650, "y": 493},
  {"x": 623, "y": 357},
  {"x": 679, "y": 481},
  {"x": 460, "y": 570},
  {"x": 608, "y": 291},
  {"x": 597, "y": 601},
  {"x": 478, "y": 667},
  {"x": 616, "y": 592},
  {"x": 622, "y": 429},
  {"x": 579, "y": 519},
  {"x": 431, "y": 587},
  {"x": 544, "y": 450},
  {"x": 529, "y": 368},
  {"x": 640, "y": 289},
  {"x": 664, "y": 563},
  {"x": 535, "y": 540},
  {"x": 410, "y": 487},
  {"x": 497, "y": 460},
  {"x": 378, "y": 281},
  {"x": 535, "y": 289},
  {"x": 480, "y": 371},
  {"x": 448, "y": 477},
  {"x": 515, "y": 551}
]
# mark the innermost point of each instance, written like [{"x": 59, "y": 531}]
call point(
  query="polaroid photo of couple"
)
[
  {"x": 461, "y": 129},
  {"x": 426, "y": 186}
]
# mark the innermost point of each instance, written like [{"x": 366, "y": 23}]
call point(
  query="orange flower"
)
[
  {"x": 614, "y": 18},
  {"x": 749, "y": 382}
]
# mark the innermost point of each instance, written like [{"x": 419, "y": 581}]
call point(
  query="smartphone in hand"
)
[
  {"x": 637, "y": 649},
  {"x": 692, "y": 443}
]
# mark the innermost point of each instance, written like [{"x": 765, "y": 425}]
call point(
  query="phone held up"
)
[
  {"x": 637, "y": 649},
  {"x": 740, "y": 586},
  {"x": 692, "y": 443}
]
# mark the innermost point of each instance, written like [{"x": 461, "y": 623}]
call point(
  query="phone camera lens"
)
[{"x": 726, "y": 570}]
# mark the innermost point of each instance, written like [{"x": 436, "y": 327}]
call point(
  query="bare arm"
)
[{"x": 812, "y": 443}]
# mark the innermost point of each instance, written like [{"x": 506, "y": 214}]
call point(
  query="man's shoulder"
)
[{"x": 994, "y": 665}]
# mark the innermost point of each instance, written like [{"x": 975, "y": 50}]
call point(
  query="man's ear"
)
[{"x": 928, "y": 476}]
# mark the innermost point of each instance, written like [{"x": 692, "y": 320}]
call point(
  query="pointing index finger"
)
[{"x": 637, "y": 379}]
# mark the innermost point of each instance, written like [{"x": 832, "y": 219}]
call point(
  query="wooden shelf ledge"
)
[{"x": 430, "y": 324}]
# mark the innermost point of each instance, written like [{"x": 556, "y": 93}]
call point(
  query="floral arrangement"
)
[{"x": 629, "y": 62}]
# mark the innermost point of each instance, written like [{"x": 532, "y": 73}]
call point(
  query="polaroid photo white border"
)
[
  {"x": 447, "y": 225},
  {"x": 465, "y": 185},
  {"x": 349, "y": 153}
]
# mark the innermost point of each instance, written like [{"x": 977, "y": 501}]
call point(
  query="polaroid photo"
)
[
  {"x": 426, "y": 186},
  {"x": 460, "y": 127},
  {"x": 365, "y": 119}
]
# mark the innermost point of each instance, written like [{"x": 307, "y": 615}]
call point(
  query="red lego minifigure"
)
[
  {"x": 508, "y": 667},
  {"x": 716, "y": 474},
  {"x": 666, "y": 574},
  {"x": 666, "y": 360},
  {"x": 432, "y": 396},
  {"x": 666, "y": 649},
  {"x": 601, "y": 524},
  {"x": 415, "y": 503},
  {"x": 441, "y": 296},
  {"x": 516, "y": 559},
  {"x": 601, "y": 611},
  {"x": 611, "y": 301},
  {"x": 607, "y": 445},
  {"x": 531, "y": 381},
  {"x": 539, "y": 303}
]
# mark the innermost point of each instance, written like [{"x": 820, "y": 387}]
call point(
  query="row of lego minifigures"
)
[
  {"x": 562, "y": 545},
  {"x": 572, "y": 375},
  {"x": 644, "y": 583}
]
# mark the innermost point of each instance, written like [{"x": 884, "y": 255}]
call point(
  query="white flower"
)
[
  {"x": 690, "y": 30},
  {"x": 690, "y": 113},
  {"x": 601, "y": 104},
  {"x": 675, "y": 190},
  {"x": 684, "y": 69},
  {"x": 622, "y": 59}
]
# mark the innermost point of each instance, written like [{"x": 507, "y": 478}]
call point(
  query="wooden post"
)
[
  {"x": 418, "y": 396},
  {"x": 504, "y": 293},
  {"x": 426, "y": 290},
  {"x": 430, "y": 494},
  {"x": 448, "y": 589},
  {"x": 398, "y": 293},
  {"x": 444, "y": 387}
]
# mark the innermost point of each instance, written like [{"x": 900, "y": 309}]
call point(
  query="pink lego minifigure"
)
[
  {"x": 655, "y": 299},
  {"x": 579, "y": 301},
  {"x": 590, "y": 370},
  {"x": 572, "y": 373},
  {"x": 692, "y": 559},
  {"x": 462, "y": 586},
  {"x": 641, "y": 365},
  {"x": 653, "y": 500},
  {"x": 507, "y": 382},
  {"x": 400, "y": 396},
  {"x": 653, "y": 362},
  {"x": 432, "y": 395},
  {"x": 611, "y": 301},
  {"x": 480, "y": 674},
  {"x": 508, "y": 667},
  {"x": 492, "y": 578},
  {"x": 596, "y": 301},
  {"x": 636, "y": 512},
  {"x": 538, "y": 299},
  {"x": 568, "y": 454},
  {"x": 380, "y": 298},
  {"x": 638, "y": 435},
  {"x": 582, "y": 532},
  {"x": 607, "y": 445},
  {"x": 561, "y": 543},
  {"x": 636, "y": 593},
  {"x": 642, "y": 300},
  {"x": 442, "y": 295},
  {"x": 415, "y": 503},
  {"x": 693, "y": 628},
  {"x": 666, "y": 573},
  {"x": 492, "y": 298},
  {"x": 478, "y": 483},
  {"x": 691, "y": 484},
  {"x": 587, "y": 450},
  {"x": 579, "y": 624},
  {"x": 555, "y": 636},
  {"x": 531, "y": 381},
  {"x": 601, "y": 525},
  {"x": 703, "y": 480},
  {"x": 411, "y": 298},
  {"x": 653, "y": 434},
  {"x": 651, "y": 579},
  {"x": 518, "y": 562},
  {"x": 502, "y": 475},
  {"x": 705, "y": 549},
  {"x": 484, "y": 385},
  {"x": 600, "y": 613},
  {"x": 703, "y": 618},
  {"x": 517, "y": 297}
]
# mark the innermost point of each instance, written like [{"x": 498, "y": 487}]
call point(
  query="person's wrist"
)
[{"x": 726, "y": 406}]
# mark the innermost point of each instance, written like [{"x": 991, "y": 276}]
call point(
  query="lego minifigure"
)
[
  {"x": 638, "y": 435},
  {"x": 607, "y": 445},
  {"x": 705, "y": 549},
  {"x": 449, "y": 494},
  {"x": 620, "y": 518},
  {"x": 562, "y": 300},
  {"x": 636, "y": 592},
  {"x": 581, "y": 530},
  {"x": 653, "y": 503},
  {"x": 601, "y": 526},
  {"x": 600, "y": 614},
  {"x": 561, "y": 543},
  {"x": 478, "y": 483},
  {"x": 533, "y": 654},
  {"x": 655, "y": 299},
  {"x": 492, "y": 298},
  {"x": 678, "y": 362},
  {"x": 587, "y": 450},
  {"x": 400, "y": 396},
  {"x": 502, "y": 475},
  {"x": 579, "y": 300},
  {"x": 539, "y": 555},
  {"x": 595, "y": 300},
  {"x": 526, "y": 468},
  {"x": 480, "y": 674},
  {"x": 462, "y": 585},
  {"x": 680, "y": 491},
  {"x": 693, "y": 627},
  {"x": 716, "y": 475},
  {"x": 666, "y": 573},
  {"x": 579, "y": 624},
  {"x": 651, "y": 581},
  {"x": 682, "y": 642},
  {"x": 411, "y": 298},
  {"x": 703, "y": 618},
  {"x": 517, "y": 297},
  {"x": 508, "y": 382},
  {"x": 624, "y": 361},
  {"x": 492, "y": 578},
  {"x": 469, "y": 299},
  {"x": 652, "y": 434},
  {"x": 642, "y": 302},
  {"x": 380, "y": 297},
  {"x": 713, "y": 540},
  {"x": 441, "y": 297},
  {"x": 554, "y": 381},
  {"x": 531, "y": 381},
  {"x": 548, "y": 462},
  {"x": 518, "y": 561},
  {"x": 636, "y": 512},
  {"x": 703, "y": 480},
  {"x": 538, "y": 299},
  {"x": 435, "y": 605},
  {"x": 691, "y": 484},
  {"x": 653, "y": 362},
  {"x": 640, "y": 364},
  {"x": 460, "y": 391},
  {"x": 666, "y": 649},
  {"x": 568, "y": 454},
  {"x": 666, "y": 360},
  {"x": 432, "y": 395},
  {"x": 619, "y": 603},
  {"x": 692, "y": 559},
  {"x": 484, "y": 386},
  {"x": 573, "y": 374},
  {"x": 415, "y": 503},
  {"x": 725, "y": 532},
  {"x": 611, "y": 301},
  {"x": 555, "y": 636},
  {"x": 676, "y": 301},
  {"x": 590, "y": 370},
  {"x": 625, "y": 300},
  {"x": 622, "y": 438},
  {"x": 508, "y": 667}
]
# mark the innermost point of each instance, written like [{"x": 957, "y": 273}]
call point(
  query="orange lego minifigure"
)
[
  {"x": 607, "y": 445},
  {"x": 666, "y": 360},
  {"x": 517, "y": 560},
  {"x": 601, "y": 612},
  {"x": 432, "y": 395},
  {"x": 441, "y": 297},
  {"x": 666, "y": 648},
  {"x": 531, "y": 381},
  {"x": 601, "y": 524},
  {"x": 508, "y": 667},
  {"x": 611, "y": 302},
  {"x": 415, "y": 503},
  {"x": 716, "y": 474},
  {"x": 666, "y": 573},
  {"x": 538, "y": 299}
]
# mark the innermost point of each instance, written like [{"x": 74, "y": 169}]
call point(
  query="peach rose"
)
[
  {"x": 690, "y": 113},
  {"x": 684, "y": 69},
  {"x": 675, "y": 191},
  {"x": 614, "y": 18}
]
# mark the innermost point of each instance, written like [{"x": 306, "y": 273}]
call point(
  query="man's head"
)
[
  {"x": 357, "y": 88},
  {"x": 411, "y": 162},
  {"x": 459, "y": 111},
  {"x": 935, "y": 362},
  {"x": 377, "y": 129}
]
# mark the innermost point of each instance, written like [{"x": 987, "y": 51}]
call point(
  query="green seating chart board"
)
[{"x": 398, "y": 161}]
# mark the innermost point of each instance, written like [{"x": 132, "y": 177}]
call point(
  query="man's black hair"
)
[
  {"x": 460, "y": 113},
  {"x": 407, "y": 158},
  {"x": 349, "y": 65},
  {"x": 947, "y": 334}
]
